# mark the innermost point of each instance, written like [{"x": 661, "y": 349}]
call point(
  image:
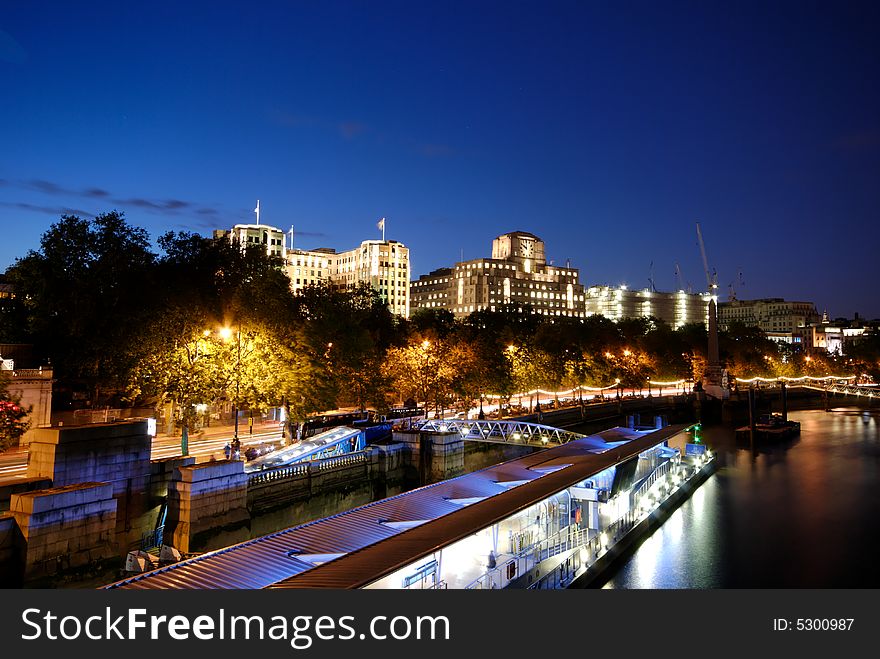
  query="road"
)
[{"x": 13, "y": 463}]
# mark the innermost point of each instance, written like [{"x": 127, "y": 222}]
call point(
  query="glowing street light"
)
[{"x": 226, "y": 334}]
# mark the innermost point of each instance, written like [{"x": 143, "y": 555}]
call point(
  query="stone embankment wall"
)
[{"x": 64, "y": 528}]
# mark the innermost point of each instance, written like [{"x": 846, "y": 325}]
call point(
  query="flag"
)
[{"x": 381, "y": 224}]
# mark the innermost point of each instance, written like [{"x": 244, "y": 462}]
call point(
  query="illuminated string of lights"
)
[
  {"x": 670, "y": 383},
  {"x": 582, "y": 388},
  {"x": 786, "y": 378}
]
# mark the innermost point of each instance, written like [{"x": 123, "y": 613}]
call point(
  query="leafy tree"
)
[
  {"x": 13, "y": 417},
  {"x": 83, "y": 294}
]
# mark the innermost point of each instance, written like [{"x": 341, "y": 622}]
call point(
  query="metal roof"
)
[{"x": 370, "y": 548}]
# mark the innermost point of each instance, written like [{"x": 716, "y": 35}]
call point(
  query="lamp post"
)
[
  {"x": 236, "y": 444},
  {"x": 226, "y": 333}
]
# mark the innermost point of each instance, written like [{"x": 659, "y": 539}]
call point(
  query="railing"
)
[
  {"x": 661, "y": 471},
  {"x": 515, "y": 432},
  {"x": 563, "y": 541},
  {"x": 33, "y": 373},
  {"x": 303, "y": 468},
  {"x": 342, "y": 460},
  {"x": 153, "y": 539},
  {"x": 827, "y": 384},
  {"x": 279, "y": 473}
]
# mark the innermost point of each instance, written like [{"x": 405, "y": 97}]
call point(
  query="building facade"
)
[
  {"x": 837, "y": 337},
  {"x": 308, "y": 267},
  {"x": 34, "y": 388},
  {"x": 517, "y": 274},
  {"x": 781, "y": 320},
  {"x": 676, "y": 309},
  {"x": 384, "y": 265},
  {"x": 256, "y": 234}
]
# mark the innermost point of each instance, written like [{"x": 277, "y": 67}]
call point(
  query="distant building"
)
[
  {"x": 838, "y": 336},
  {"x": 34, "y": 388},
  {"x": 517, "y": 274},
  {"x": 676, "y": 309},
  {"x": 384, "y": 265},
  {"x": 308, "y": 267},
  {"x": 256, "y": 234},
  {"x": 781, "y": 320}
]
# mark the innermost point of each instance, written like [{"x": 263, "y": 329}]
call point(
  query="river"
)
[{"x": 805, "y": 514}]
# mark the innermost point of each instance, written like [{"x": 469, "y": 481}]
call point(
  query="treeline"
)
[{"x": 201, "y": 321}]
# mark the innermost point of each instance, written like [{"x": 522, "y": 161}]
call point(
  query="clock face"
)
[{"x": 527, "y": 248}]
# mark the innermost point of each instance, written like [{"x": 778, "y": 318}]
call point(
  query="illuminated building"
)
[
  {"x": 838, "y": 336},
  {"x": 517, "y": 274},
  {"x": 779, "y": 319},
  {"x": 383, "y": 264},
  {"x": 256, "y": 234},
  {"x": 676, "y": 309},
  {"x": 308, "y": 267}
]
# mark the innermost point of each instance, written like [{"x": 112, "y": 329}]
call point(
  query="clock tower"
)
[{"x": 520, "y": 246}]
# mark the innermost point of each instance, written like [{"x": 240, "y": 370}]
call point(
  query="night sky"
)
[{"x": 606, "y": 131}]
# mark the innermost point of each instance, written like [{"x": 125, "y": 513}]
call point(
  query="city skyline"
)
[{"x": 607, "y": 132}]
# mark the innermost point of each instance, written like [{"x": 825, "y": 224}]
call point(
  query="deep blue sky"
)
[{"x": 606, "y": 131}]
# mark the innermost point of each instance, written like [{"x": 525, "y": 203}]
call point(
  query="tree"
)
[
  {"x": 86, "y": 293},
  {"x": 13, "y": 417}
]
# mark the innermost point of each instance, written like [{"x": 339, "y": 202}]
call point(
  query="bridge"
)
[
  {"x": 827, "y": 384},
  {"x": 504, "y": 432}
]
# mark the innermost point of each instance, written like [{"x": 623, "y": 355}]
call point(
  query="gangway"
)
[{"x": 337, "y": 441}]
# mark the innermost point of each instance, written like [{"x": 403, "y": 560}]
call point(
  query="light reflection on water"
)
[{"x": 803, "y": 514}]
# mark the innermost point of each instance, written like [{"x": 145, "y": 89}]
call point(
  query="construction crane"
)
[
  {"x": 711, "y": 280},
  {"x": 733, "y": 285},
  {"x": 678, "y": 277}
]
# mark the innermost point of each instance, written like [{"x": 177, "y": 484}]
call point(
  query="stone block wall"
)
[
  {"x": 19, "y": 486},
  {"x": 114, "y": 453},
  {"x": 65, "y": 528},
  {"x": 207, "y": 506},
  {"x": 433, "y": 455}
]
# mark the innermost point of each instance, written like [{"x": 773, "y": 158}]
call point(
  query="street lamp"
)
[
  {"x": 425, "y": 347},
  {"x": 226, "y": 334}
]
